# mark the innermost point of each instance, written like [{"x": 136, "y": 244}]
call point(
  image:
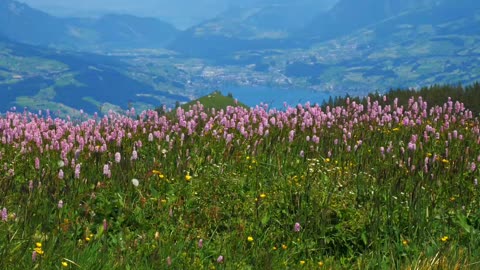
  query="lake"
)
[{"x": 275, "y": 97}]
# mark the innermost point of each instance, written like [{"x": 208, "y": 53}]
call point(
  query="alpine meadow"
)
[{"x": 238, "y": 135}]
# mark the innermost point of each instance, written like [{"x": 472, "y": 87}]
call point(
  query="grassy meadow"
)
[{"x": 374, "y": 186}]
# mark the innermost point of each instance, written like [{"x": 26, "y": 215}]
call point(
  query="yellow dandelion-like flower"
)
[
  {"x": 327, "y": 160},
  {"x": 87, "y": 239},
  {"x": 302, "y": 262},
  {"x": 38, "y": 245},
  {"x": 188, "y": 177},
  {"x": 38, "y": 250},
  {"x": 64, "y": 264},
  {"x": 250, "y": 239},
  {"x": 405, "y": 242},
  {"x": 284, "y": 246},
  {"x": 320, "y": 263},
  {"x": 445, "y": 161},
  {"x": 444, "y": 239},
  {"x": 274, "y": 248},
  {"x": 396, "y": 129},
  {"x": 263, "y": 195}
]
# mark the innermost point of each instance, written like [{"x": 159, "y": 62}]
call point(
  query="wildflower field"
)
[{"x": 374, "y": 186}]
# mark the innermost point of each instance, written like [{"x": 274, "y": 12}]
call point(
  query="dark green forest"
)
[{"x": 433, "y": 95}]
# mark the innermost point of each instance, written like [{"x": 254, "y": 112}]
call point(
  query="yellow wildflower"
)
[
  {"x": 250, "y": 239},
  {"x": 444, "y": 239},
  {"x": 302, "y": 262},
  {"x": 39, "y": 250},
  {"x": 284, "y": 246},
  {"x": 160, "y": 175},
  {"x": 263, "y": 195},
  {"x": 64, "y": 264},
  {"x": 320, "y": 263},
  {"x": 188, "y": 177}
]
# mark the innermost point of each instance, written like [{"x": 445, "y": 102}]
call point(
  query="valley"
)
[{"x": 397, "y": 46}]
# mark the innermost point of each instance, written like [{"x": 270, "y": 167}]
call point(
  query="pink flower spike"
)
[
  {"x": 37, "y": 163},
  {"x": 118, "y": 157},
  {"x": 134, "y": 155},
  {"x": 105, "y": 225},
  {"x": 34, "y": 256},
  {"x": 4, "y": 214},
  {"x": 297, "y": 227}
]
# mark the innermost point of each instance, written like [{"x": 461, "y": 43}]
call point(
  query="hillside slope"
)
[{"x": 41, "y": 78}]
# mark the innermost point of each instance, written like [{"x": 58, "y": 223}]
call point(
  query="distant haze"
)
[{"x": 181, "y": 13}]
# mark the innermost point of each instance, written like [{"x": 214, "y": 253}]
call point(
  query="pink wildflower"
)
[
  {"x": 4, "y": 214},
  {"x": 297, "y": 227},
  {"x": 118, "y": 157}
]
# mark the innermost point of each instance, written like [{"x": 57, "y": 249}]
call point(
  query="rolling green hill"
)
[{"x": 216, "y": 101}]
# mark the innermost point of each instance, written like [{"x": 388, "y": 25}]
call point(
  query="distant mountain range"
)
[
  {"x": 425, "y": 45},
  {"x": 22, "y": 23},
  {"x": 279, "y": 26},
  {"x": 351, "y": 15},
  {"x": 333, "y": 45},
  {"x": 265, "y": 25}
]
